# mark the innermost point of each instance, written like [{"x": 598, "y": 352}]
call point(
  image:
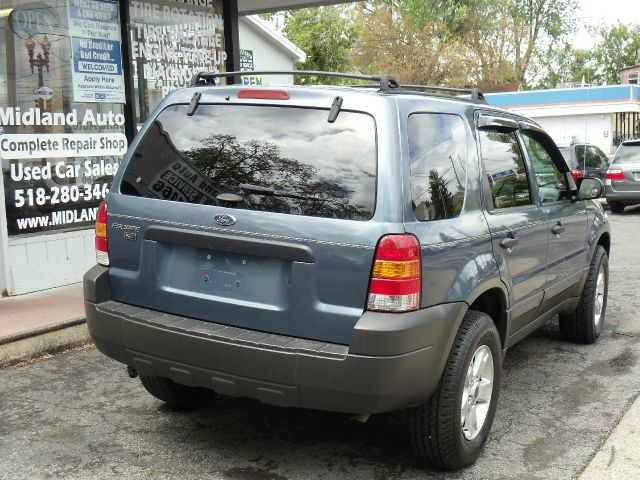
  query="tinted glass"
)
[
  {"x": 505, "y": 169},
  {"x": 276, "y": 159},
  {"x": 628, "y": 153},
  {"x": 437, "y": 150},
  {"x": 593, "y": 158},
  {"x": 581, "y": 153},
  {"x": 550, "y": 180}
]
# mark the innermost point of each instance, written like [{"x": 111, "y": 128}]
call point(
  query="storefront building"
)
[
  {"x": 604, "y": 116},
  {"x": 77, "y": 78}
]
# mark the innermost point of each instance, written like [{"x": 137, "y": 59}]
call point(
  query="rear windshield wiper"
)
[{"x": 271, "y": 192}]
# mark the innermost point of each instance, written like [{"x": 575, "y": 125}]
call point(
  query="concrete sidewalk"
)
[
  {"x": 40, "y": 322},
  {"x": 619, "y": 456}
]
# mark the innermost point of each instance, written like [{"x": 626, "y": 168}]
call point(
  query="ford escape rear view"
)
[{"x": 357, "y": 250}]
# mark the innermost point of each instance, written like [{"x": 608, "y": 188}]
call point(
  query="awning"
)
[{"x": 249, "y": 7}]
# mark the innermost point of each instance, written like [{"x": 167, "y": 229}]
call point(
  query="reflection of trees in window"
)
[
  {"x": 511, "y": 191},
  {"x": 227, "y": 163},
  {"x": 440, "y": 202},
  {"x": 438, "y": 165},
  {"x": 513, "y": 147}
]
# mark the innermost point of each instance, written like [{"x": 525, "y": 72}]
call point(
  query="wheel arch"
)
[
  {"x": 605, "y": 241},
  {"x": 492, "y": 300}
]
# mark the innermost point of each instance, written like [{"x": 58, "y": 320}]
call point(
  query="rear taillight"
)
[
  {"x": 396, "y": 277},
  {"x": 102, "y": 245},
  {"x": 576, "y": 174},
  {"x": 615, "y": 174}
]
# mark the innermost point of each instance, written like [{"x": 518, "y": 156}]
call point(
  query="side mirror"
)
[{"x": 589, "y": 188}]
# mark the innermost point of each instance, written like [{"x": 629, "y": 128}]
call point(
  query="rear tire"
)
[
  {"x": 174, "y": 393},
  {"x": 616, "y": 207},
  {"x": 584, "y": 324},
  {"x": 443, "y": 431}
]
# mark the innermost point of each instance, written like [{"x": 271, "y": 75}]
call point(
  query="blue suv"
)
[{"x": 350, "y": 249}]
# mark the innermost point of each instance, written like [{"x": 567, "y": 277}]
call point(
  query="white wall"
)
[
  {"x": 266, "y": 55},
  {"x": 51, "y": 260},
  {"x": 592, "y": 128}
]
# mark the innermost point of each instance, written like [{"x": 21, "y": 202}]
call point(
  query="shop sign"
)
[
  {"x": 61, "y": 145},
  {"x": 94, "y": 29},
  {"x": 171, "y": 40},
  {"x": 252, "y": 79},
  {"x": 33, "y": 19},
  {"x": 246, "y": 60},
  {"x": 56, "y": 180}
]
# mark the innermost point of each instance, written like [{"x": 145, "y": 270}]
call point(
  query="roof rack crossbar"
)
[
  {"x": 386, "y": 82},
  {"x": 475, "y": 93}
]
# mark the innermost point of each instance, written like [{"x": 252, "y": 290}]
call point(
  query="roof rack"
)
[{"x": 384, "y": 82}]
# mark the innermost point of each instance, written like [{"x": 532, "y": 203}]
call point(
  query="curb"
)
[{"x": 27, "y": 345}]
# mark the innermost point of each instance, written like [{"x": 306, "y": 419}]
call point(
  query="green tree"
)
[
  {"x": 441, "y": 198},
  {"x": 500, "y": 33},
  {"x": 326, "y": 35},
  {"x": 567, "y": 64},
  {"x": 618, "y": 48},
  {"x": 391, "y": 41}
]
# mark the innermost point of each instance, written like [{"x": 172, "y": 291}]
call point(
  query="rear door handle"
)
[
  {"x": 557, "y": 229},
  {"x": 509, "y": 242}
]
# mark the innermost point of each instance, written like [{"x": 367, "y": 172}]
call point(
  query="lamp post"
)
[{"x": 39, "y": 62}]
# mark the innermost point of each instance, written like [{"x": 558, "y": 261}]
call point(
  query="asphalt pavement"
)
[{"x": 78, "y": 415}]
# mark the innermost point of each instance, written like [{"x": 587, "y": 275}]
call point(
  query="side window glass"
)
[
  {"x": 602, "y": 158},
  {"x": 581, "y": 152},
  {"x": 505, "y": 170},
  {"x": 550, "y": 180},
  {"x": 438, "y": 168},
  {"x": 592, "y": 159}
]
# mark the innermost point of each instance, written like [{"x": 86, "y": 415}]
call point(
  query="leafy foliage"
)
[
  {"x": 617, "y": 47},
  {"x": 325, "y": 34}
]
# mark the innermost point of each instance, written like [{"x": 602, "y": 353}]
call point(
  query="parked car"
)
[
  {"x": 343, "y": 249},
  {"x": 585, "y": 159},
  {"x": 623, "y": 177}
]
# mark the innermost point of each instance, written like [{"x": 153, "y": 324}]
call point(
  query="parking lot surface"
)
[{"x": 78, "y": 415}]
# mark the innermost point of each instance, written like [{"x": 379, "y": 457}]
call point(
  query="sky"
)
[{"x": 608, "y": 12}]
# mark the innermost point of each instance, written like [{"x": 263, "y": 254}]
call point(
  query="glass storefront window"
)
[
  {"x": 171, "y": 40},
  {"x": 61, "y": 110}
]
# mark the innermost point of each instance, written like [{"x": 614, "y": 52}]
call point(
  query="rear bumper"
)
[
  {"x": 394, "y": 360},
  {"x": 621, "y": 196}
]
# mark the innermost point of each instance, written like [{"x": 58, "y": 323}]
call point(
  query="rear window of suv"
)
[
  {"x": 628, "y": 153},
  {"x": 268, "y": 158}
]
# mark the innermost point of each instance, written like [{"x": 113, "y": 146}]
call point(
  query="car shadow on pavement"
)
[{"x": 270, "y": 437}]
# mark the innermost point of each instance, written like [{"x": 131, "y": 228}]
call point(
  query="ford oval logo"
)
[{"x": 224, "y": 220}]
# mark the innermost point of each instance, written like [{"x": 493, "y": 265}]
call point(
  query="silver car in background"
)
[{"x": 622, "y": 182}]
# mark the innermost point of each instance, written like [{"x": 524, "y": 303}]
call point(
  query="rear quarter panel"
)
[{"x": 457, "y": 256}]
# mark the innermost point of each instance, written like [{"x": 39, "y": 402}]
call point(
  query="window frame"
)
[
  {"x": 556, "y": 157},
  {"x": 506, "y": 124}
]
